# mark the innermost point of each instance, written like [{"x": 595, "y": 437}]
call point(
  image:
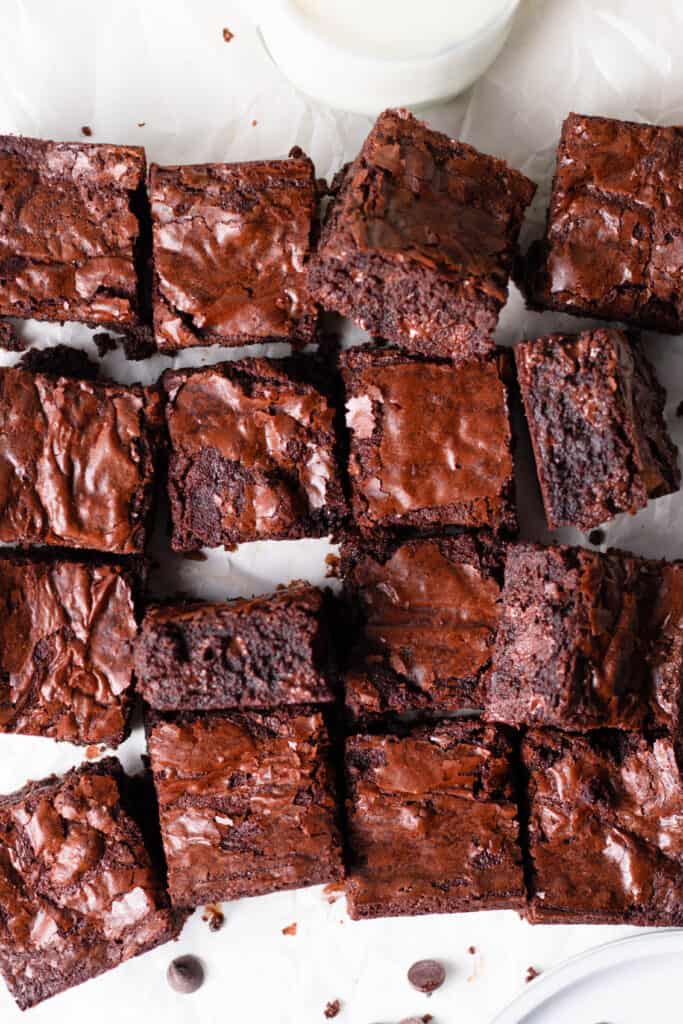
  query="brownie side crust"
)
[
  {"x": 79, "y": 893},
  {"x": 259, "y": 653},
  {"x": 432, "y": 822},
  {"x": 418, "y": 242},
  {"x": 595, "y": 412},
  {"x": 69, "y": 230}
]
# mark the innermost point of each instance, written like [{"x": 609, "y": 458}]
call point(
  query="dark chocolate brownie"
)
[
  {"x": 246, "y": 803},
  {"x": 67, "y": 631},
  {"x": 613, "y": 245},
  {"x": 588, "y": 640},
  {"x": 428, "y": 614},
  {"x": 69, "y": 230},
  {"x": 79, "y": 892},
  {"x": 418, "y": 242},
  {"x": 595, "y": 413},
  {"x": 430, "y": 442},
  {"x": 605, "y": 829},
  {"x": 252, "y": 455},
  {"x": 259, "y": 653},
  {"x": 432, "y": 822},
  {"x": 76, "y": 462},
  {"x": 231, "y": 248}
]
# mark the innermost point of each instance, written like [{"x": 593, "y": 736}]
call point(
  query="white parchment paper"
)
[{"x": 158, "y": 73}]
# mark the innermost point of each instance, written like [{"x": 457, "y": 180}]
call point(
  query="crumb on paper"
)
[
  {"x": 141, "y": 124},
  {"x": 332, "y": 562},
  {"x": 332, "y": 1009},
  {"x": 472, "y": 950},
  {"x": 254, "y": 123},
  {"x": 597, "y": 537},
  {"x": 227, "y": 35},
  {"x": 333, "y": 890},
  {"x": 86, "y": 130},
  {"x": 531, "y": 973},
  {"x": 290, "y": 929},
  {"x": 104, "y": 342},
  {"x": 93, "y": 751},
  {"x": 214, "y": 916}
]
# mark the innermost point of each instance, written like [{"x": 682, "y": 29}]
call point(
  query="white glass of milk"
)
[{"x": 365, "y": 55}]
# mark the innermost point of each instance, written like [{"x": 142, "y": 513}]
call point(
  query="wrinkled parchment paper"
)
[{"x": 159, "y": 74}]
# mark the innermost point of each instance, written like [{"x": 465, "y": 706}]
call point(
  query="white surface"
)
[{"x": 111, "y": 65}]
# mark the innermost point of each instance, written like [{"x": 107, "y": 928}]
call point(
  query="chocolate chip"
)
[
  {"x": 597, "y": 537},
  {"x": 472, "y": 950},
  {"x": 427, "y": 975},
  {"x": 86, "y": 130},
  {"x": 185, "y": 974}
]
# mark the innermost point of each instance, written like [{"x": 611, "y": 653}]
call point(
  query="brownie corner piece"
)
[
  {"x": 70, "y": 231},
  {"x": 432, "y": 821},
  {"x": 79, "y": 892},
  {"x": 261, "y": 652},
  {"x": 246, "y": 802},
  {"x": 595, "y": 412},
  {"x": 231, "y": 244},
  {"x": 418, "y": 242},
  {"x": 430, "y": 442},
  {"x": 600, "y": 851},
  {"x": 253, "y": 454},
  {"x": 612, "y": 243}
]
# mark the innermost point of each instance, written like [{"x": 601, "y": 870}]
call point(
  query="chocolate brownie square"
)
[
  {"x": 613, "y": 246},
  {"x": 67, "y": 630},
  {"x": 76, "y": 462},
  {"x": 605, "y": 829},
  {"x": 70, "y": 230},
  {"x": 79, "y": 891},
  {"x": 587, "y": 640},
  {"x": 418, "y": 242},
  {"x": 246, "y": 803},
  {"x": 231, "y": 246},
  {"x": 432, "y": 822},
  {"x": 252, "y": 454},
  {"x": 261, "y": 652},
  {"x": 430, "y": 442},
  {"x": 595, "y": 412},
  {"x": 428, "y": 612}
]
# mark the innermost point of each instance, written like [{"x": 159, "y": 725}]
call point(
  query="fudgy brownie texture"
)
[
  {"x": 432, "y": 822},
  {"x": 231, "y": 246},
  {"x": 430, "y": 443},
  {"x": 258, "y": 653},
  {"x": 428, "y": 611},
  {"x": 79, "y": 892},
  {"x": 588, "y": 640},
  {"x": 76, "y": 462},
  {"x": 595, "y": 413},
  {"x": 612, "y": 247},
  {"x": 67, "y": 631},
  {"x": 246, "y": 803},
  {"x": 70, "y": 229},
  {"x": 418, "y": 242},
  {"x": 252, "y": 454},
  {"x": 605, "y": 829}
]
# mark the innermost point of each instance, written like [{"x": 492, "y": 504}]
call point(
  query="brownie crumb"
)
[
  {"x": 254, "y": 123},
  {"x": 214, "y": 916},
  {"x": 427, "y": 975},
  {"x": 9, "y": 338},
  {"x": 141, "y": 124},
  {"x": 332, "y": 562},
  {"x": 596, "y": 537},
  {"x": 290, "y": 929},
  {"x": 227, "y": 35},
  {"x": 531, "y": 973},
  {"x": 138, "y": 342},
  {"x": 332, "y": 891},
  {"x": 472, "y": 950},
  {"x": 60, "y": 361},
  {"x": 185, "y": 974},
  {"x": 86, "y": 130},
  {"x": 93, "y": 751},
  {"x": 332, "y": 1009},
  {"x": 104, "y": 342}
]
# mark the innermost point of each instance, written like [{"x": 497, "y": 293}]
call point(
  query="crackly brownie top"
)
[
  {"x": 68, "y": 230},
  {"x": 414, "y": 194},
  {"x": 426, "y": 435},
  {"x": 616, "y": 213},
  {"x": 75, "y": 462},
  {"x": 66, "y": 649},
  {"x": 270, "y": 438},
  {"x": 231, "y": 242}
]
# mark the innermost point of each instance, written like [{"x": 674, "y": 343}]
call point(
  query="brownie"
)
[
  {"x": 67, "y": 630},
  {"x": 428, "y": 611},
  {"x": 76, "y": 462},
  {"x": 261, "y": 652},
  {"x": 588, "y": 640},
  {"x": 231, "y": 246},
  {"x": 79, "y": 891},
  {"x": 605, "y": 829},
  {"x": 430, "y": 442},
  {"x": 418, "y": 242},
  {"x": 595, "y": 413},
  {"x": 613, "y": 246},
  {"x": 246, "y": 803},
  {"x": 252, "y": 455},
  {"x": 70, "y": 227},
  {"x": 432, "y": 822}
]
